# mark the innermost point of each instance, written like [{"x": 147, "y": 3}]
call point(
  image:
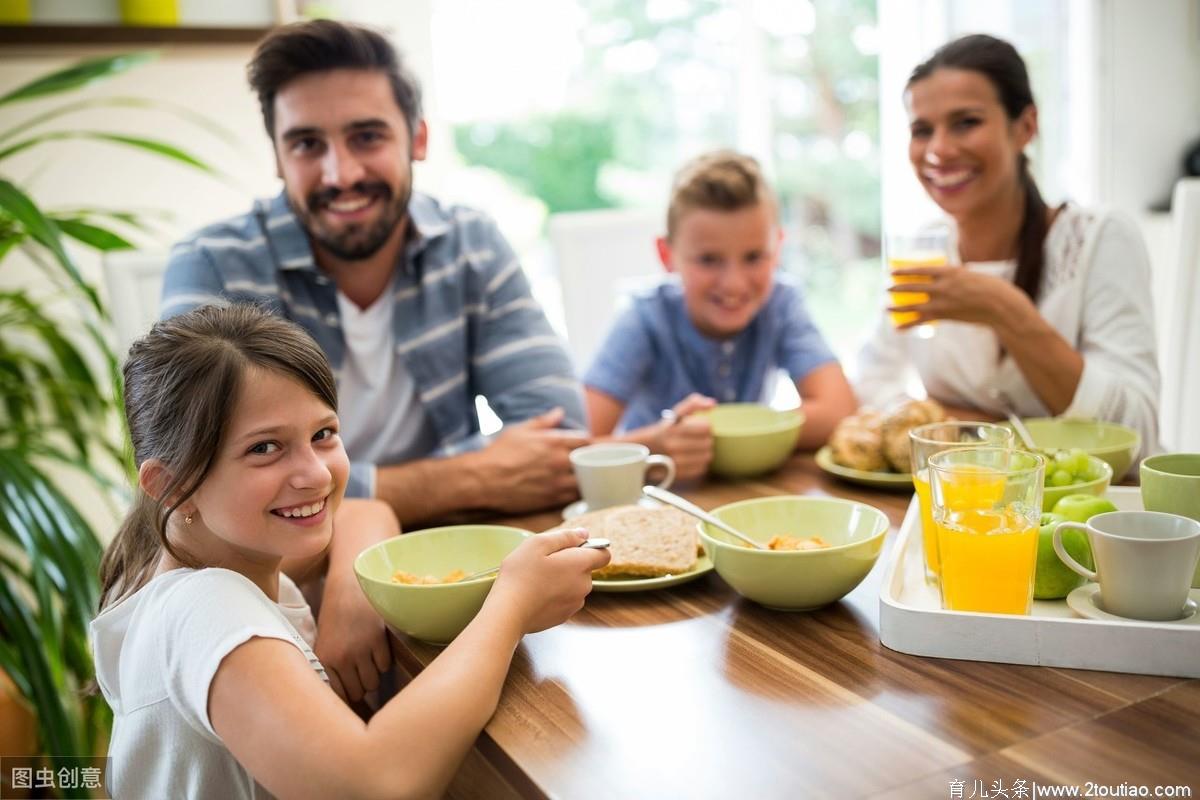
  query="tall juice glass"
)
[
  {"x": 925, "y": 249},
  {"x": 924, "y": 441},
  {"x": 987, "y": 502}
]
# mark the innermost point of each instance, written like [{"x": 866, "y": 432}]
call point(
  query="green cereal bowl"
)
[
  {"x": 802, "y": 579},
  {"x": 1052, "y": 494},
  {"x": 750, "y": 438},
  {"x": 435, "y": 613},
  {"x": 1116, "y": 444}
]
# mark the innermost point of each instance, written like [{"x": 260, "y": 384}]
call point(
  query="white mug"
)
[
  {"x": 1144, "y": 561},
  {"x": 612, "y": 473}
]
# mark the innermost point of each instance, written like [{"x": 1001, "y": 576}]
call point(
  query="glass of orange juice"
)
[
  {"x": 929, "y": 248},
  {"x": 987, "y": 502},
  {"x": 925, "y": 440}
]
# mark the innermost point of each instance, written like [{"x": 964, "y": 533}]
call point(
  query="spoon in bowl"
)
[
  {"x": 672, "y": 499},
  {"x": 1022, "y": 431},
  {"x": 590, "y": 544}
]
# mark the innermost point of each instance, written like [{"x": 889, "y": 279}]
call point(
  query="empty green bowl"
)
[
  {"x": 1115, "y": 444},
  {"x": 796, "y": 580},
  {"x": 1098, "y": 486},
  {"x": 750, "y": 438},
  {"x": 434, "y": 613}
]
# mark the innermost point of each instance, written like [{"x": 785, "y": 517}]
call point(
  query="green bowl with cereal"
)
[
  {"x": 414, "y": 580},
  {"x": 848, "y": 537}
]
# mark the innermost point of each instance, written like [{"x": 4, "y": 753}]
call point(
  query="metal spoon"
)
[
  {"x": 590, "y": 544},
  {"x": 672, "y": 499},
  {"x": 1022, "y": 431},
  {"x": 1014, "y": 420}
]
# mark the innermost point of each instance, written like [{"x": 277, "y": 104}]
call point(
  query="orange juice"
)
[
  {"x": 911, "y": 298},
  {"x": 968, "y": 487},
  {"x": 928, "y": 531},
  {"x": 987, "y": 560}
]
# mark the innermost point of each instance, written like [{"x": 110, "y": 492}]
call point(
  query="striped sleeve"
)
[
  {"x": 191, "y": 281},
  {"x": 520, "y": 364}
]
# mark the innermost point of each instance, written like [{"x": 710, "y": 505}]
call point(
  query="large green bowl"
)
[
  {"x": 435, "y": 613},
  {"x": 796, "y": 580},
  {"x": 1116, "y": 444},
  {"x": 1098, "y": 486},
  {"x": 750, "y": 439}
]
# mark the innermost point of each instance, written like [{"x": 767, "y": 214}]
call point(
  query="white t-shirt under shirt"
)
[
  {"x": 382, "y": 420},
  {"x": 1095, "y": 292},
  {"x": 157, "y": 652}
]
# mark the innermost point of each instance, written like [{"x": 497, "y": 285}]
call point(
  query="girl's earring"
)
[{"x": 188, "y": 519}]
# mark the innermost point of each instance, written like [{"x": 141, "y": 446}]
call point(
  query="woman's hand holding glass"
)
[{"x": 959, "y": 294}]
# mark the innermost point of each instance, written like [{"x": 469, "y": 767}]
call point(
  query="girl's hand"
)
[
  {"x": 545, "y": 580},
  {"x": 352, "y": 640},
  {"x": 960, "y": 294}
]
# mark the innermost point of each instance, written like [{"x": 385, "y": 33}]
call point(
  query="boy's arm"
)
[
  {"x": 827, "y": 399},
  {"x": 603, "y": 411}
]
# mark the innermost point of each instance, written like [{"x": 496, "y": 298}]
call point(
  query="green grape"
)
[
  {"x": 1060, "y": 477},
  {"x": 1076, "y": 462}
]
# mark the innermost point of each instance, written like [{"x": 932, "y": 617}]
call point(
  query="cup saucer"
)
[
  {"x": 581, "y": 507},
  {"x": 1085, "y": 601}
]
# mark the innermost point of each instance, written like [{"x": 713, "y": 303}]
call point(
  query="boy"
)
[{"x": 718, "y": 332}]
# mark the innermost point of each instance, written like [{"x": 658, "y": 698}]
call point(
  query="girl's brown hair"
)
[
  {"x": 182, "y": 380},
  {"x": 999, "y": 62},
  {"x": 722, "y": 180}
]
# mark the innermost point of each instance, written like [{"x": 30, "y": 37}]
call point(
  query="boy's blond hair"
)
[{"x": 723, "y": 180}]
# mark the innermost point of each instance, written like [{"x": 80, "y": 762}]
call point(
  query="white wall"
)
[{"x": 1149, "y": 104}]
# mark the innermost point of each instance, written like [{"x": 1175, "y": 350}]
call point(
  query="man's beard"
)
[{"x": 354, "y": 242}]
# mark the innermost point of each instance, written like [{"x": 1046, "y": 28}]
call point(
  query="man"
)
[{"x": 419, "y": 306}]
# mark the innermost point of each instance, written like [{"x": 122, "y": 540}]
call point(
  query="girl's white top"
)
[
  {"x": 156, "y": 654},
  {"x": 1095, "y": 292}
]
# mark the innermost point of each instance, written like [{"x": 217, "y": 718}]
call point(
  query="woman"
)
[{"x": 1050, "y": 313}]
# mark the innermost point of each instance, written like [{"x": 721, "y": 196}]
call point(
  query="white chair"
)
[
  {"x": 1180, "y": 348},
  {"x": 134, "y": 280},
  {"x": 601, "y": 256}
]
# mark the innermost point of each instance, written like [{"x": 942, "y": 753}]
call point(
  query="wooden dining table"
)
[{"x": 694, "y": 692}]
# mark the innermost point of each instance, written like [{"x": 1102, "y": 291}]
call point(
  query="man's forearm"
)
[{"x": 419, "y": 491}]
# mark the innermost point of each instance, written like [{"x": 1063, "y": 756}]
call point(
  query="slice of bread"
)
[{"x": 645, "y": 542}]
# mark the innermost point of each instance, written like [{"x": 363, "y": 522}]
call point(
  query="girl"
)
[
  {"x": 1050, "y": 313},
  {"x": 200, "y": 647}
]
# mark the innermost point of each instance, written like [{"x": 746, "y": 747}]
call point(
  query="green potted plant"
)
[{"x": 59, "y": 399}]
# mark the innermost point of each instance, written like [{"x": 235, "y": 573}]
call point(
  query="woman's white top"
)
[
  {"x": 1095, "y": 292},
  {"x": 156, "y": 654}
]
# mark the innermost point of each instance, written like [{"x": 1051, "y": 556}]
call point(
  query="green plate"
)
[
  {"x": 878, "y": 480},
  {"x": 703, "y": 566}
]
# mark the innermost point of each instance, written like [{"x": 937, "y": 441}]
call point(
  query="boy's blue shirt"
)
[{"x": 654, "y": 356}]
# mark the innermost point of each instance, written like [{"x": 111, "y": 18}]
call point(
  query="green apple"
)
[
  {"x": 1082, "y": 507},
  {"x": 1053, "y": 579}
]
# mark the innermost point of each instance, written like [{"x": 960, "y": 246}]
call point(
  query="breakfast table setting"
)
[{"x": 857, "y": 671}]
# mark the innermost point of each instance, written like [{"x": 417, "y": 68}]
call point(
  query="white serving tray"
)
[{"x": 911, "y": 620}]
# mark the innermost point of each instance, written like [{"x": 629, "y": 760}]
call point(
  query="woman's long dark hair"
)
[
  {"x": 999, "y": 62},
  {"x": 181, "y": 383}
]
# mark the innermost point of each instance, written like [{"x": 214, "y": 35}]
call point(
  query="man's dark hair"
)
[{"x": 290, "y": 51}]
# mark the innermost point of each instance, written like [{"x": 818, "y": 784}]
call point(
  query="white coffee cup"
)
[
  {"x": 1144, "y": 561},
  {"x": 613, "y": 473}
]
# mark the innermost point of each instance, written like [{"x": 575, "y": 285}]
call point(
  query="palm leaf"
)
[
  {"x": 95, "y": 236},
  {"x": 149, "y": 145},
  {"x": 18, "y": 205},
  {"x": 29, "y": 668},
  {"x": 77, "y": 76}
]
